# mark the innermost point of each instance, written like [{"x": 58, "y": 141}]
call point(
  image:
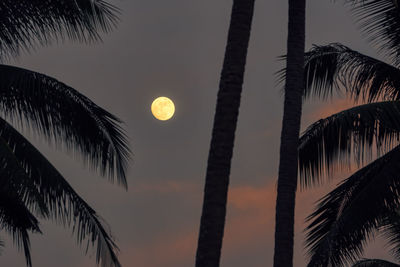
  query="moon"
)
[{"x": 163, "y": 108}]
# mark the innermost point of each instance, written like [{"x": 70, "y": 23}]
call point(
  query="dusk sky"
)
[{"x": 175, "y": 48}]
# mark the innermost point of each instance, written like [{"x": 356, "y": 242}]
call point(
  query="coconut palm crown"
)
[
  {"x": 349, "y": 216},
  {"x": 31, "y": 187}
]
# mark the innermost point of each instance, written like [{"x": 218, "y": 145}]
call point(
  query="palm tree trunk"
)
[
  {"x": 287, "y": 179},
  {"x": 223, "y": 135}
]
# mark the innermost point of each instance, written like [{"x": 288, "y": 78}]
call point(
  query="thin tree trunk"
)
[
  {"x": 287, "y": 179},
  {"x": 223, "y": 135}
]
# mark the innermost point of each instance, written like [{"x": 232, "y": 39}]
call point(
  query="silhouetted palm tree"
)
[
  {"x": 223, "y": 135},
  {"x": 287, "y": 179},
  {"x": 348, "y": 216},
  {"x": 30, "y": 185}
]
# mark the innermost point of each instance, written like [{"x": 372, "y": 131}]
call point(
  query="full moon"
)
[{"x": 163, "y": 108}]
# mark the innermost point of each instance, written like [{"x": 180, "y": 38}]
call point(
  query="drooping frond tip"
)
[
  {"x": 55, "y": 196},
  {"x": 336, "y": 66},
  {"x": 380, "y": 24},
  {"x": 346, "y": 137},
  {"x": 66, "y": 117},
  {"x": 341, "y": 225},
  {"x": 24, "y": 23}
]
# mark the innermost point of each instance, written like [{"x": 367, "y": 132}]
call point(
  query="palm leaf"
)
[
  {"x": 18, "y": 221},
  {"x": 66, "y": 117},
  {"x": 335, "y": 141},
  {"x": 14, "y": 179},
  {"x": 347, "y": 217},
  {"x": 335, "y": 66},
  {"x": 374, "y": 263},
  {"x": 24, "y": 23},
  {"x": 17, "y": 193},
  {"x": 390, "y": 229},
  {"x": 63, "y": 203},
  {"x": 380, "y": 22}
]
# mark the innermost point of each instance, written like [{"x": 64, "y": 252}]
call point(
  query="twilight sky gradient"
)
[{"x": 175, "y": 48}]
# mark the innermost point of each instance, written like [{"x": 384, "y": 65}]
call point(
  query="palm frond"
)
[
  {"x": 15, "y": 180},
  {"x": 18, "y": 195},
  {"x": 380, "y": 22},
  {"x": 63, "y": 203},
  {"x": 24, "y": 23},
  {"x": 374, "y": 263},
  {"x": 17, "y": 220},
  {"x": 66, "y": 117},
  {"x": 334, "y": 66},
  {"x": 348, "y": 216},
  {"x": 390, "y": 229},
  {"x": 350, "y": 135}
]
